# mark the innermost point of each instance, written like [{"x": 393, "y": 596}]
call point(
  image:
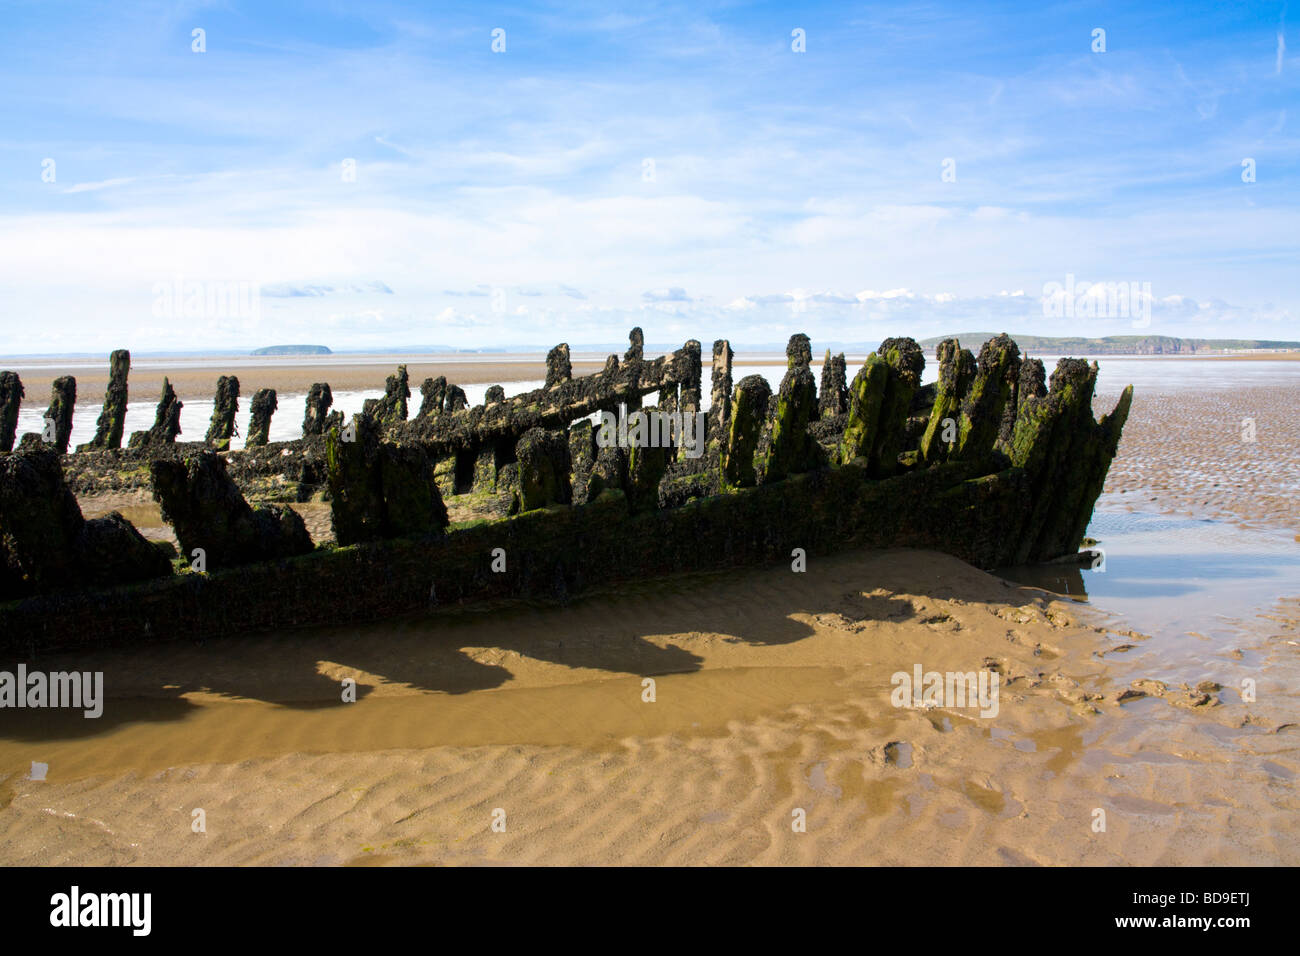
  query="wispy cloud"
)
[
  {"x": 680, "y": 166},
  {"x": 312, "y": 290},
  {"x": 675, "y": 294},
  {"x": 102, "y": 184}
]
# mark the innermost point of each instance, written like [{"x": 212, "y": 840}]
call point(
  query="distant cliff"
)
[
  {"x": 1119, "y": 344},
  {"x": 292, "y": 350}
]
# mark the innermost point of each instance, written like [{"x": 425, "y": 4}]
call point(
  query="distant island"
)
[
  {"x": 292, "y": 350},
  {"x": 1118, "y": 344}
]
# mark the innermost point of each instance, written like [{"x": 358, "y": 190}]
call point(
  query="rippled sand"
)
[
  {"x": 772, "y": 696},
  {"x": 1195, "y": 453}
]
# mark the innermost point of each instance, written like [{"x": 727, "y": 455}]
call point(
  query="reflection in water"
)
[
  {"x": 1193, "y": 589},
  {"x": 1064, "y": 579},
  {"x": 1167, "y": 573}
]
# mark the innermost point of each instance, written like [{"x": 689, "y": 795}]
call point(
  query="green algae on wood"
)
[
  {"x": 559, "y": 368},
  {"x": 790, "y": 449},
  {"x": 906, "y": 362},
  {"x": 636, "y": 345},
  {"x": 866, "y": 398},
  {"x": 582, "y": 459},
  {"x": 798, "y": 351},
  {"x": 317, "y": 419},
  {"x": 956, "y": 371},
  {"x": 166, "y": 421},
  {"x": 208, "y": 513},
  {"x": 748, "y": 414},
  {"x": 413, "y": 504},
  {"x": 225, "y": 406},
  {"x": 380, "y": 489},
  {"x": 991, "y": 390},
  {"x": 646, "y": 466},
  {"x": 832, "y": 398},
  {"x": 456, "y": 399},
  {"x": 11, "y": 396},
  {"x": 1066, "y": 453},
  {"x": 543, "y": 459},
  {"x": 720, "y": 391},
  {"x": 392, "y": 408},
  {"x": 484, "y": 473},
  {"x": 63, "y": 401},
  {"x": 261, "y": 408},
  {"x": 45, "y": 542},
  {"x": 112, "y": 418}
]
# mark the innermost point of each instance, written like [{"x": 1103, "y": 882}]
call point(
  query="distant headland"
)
[
  {"x": 1127, "y": 344},
  {"x": 292, "y": 350}
]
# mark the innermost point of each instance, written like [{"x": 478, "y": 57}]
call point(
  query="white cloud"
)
[
  {"x": 102, "y": 184},
  {"x": 675, "y": 294},
  {"x": 530, "y": 182}
]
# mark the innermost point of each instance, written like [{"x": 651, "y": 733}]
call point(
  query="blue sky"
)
[{"x": 674, "y": 166}]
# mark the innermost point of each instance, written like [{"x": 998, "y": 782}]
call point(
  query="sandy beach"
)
[
  {"x": 1227, "y": 454},
  {"x": 340, "y": 373},
  {"x": 772, "y": 696}
]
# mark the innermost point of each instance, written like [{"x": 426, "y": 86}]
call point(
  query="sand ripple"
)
[
  {"x": 1195, "y": 453},
  {"x": 772, "y": 697}
]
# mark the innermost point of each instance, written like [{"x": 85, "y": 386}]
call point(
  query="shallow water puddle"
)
[
  {"x": 1163, "y": 572},
  {"x": 1194, "y": 586},
  {"x": 143, "y": 515}
]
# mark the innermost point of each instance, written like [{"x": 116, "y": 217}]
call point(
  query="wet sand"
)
[
  {"x": 341, "y": 374},
  {"x": 139, "y": 508},
  {"x": 773, "y": 695},
  {"x": 1197, "y": 453},
  {"x": 1257, "y": 357}
]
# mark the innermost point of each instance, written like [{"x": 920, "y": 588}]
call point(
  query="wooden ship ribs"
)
[{"x": 993, "y": 463}]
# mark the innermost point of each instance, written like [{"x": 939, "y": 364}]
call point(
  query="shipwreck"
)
[{"x": 994, "y": 463}]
